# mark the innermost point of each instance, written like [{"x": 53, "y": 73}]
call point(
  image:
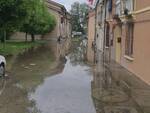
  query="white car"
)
[{"x": 2, "y": 65}]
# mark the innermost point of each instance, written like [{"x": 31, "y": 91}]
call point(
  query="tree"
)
[
  {"x": 79, "y": 13},
  {"x": 40, "y": 21},
  {"x": 12, "y": 14},
  {"x": 84, "y": 8}
]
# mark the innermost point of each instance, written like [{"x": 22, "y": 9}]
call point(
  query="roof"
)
[{"x": 56, "y": 4}]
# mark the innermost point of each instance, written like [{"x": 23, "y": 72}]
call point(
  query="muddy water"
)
[
  {"x": 68, "y": 91},
  {"x": 26, "y": 72},
  {"x": 39, "y": 83}
]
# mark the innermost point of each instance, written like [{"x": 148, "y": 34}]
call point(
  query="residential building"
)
[
  {"x": 61, "y": 35},
  {"x": 121, "y": 34},
  {"x": 122, "y": 57},
  {"x": 131, "y": 34}
]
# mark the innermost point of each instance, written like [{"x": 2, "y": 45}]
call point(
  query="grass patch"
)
[{"x": 12, "y": 47}]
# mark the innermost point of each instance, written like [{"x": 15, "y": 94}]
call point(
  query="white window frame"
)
[{"x": 127, "y": 3}]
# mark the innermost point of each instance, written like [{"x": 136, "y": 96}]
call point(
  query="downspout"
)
[
  {"x": 104, "y": 56},
  {"x": 95, "y": 46}
]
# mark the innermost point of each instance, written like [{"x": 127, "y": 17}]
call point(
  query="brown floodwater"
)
[
  {"x": 38, "y": 82},
  {"x": 66, "y": 92},
  {"x": 25, "y": 72}
]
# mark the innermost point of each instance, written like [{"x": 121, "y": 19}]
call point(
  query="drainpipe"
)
[{"x": 95, "y": 47}]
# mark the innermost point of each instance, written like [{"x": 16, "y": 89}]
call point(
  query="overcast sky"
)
[{"x": 67, "y": 3}]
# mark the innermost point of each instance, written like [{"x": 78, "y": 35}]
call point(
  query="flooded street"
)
[
  {"x": 38, "y": 83},
  {"x": 67, "y": 92}
]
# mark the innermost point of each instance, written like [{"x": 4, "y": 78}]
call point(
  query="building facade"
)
[
  {"x": 130, "y": 34},
  {"x": 61, "y": 35},
  {"x": 122, "y": 34},
  {"x": 135, "y": 40},
  {"x": 121, "y": 80},
  {"x": 91, "y": 35}
]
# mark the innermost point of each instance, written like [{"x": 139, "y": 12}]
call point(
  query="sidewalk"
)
[{"x": 116, "y": 90}]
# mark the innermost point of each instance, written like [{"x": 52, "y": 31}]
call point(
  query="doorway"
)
[{"x": 118, "y": 39}]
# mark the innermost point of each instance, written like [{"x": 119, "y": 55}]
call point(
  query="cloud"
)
[{"x": 68, "y": 3}]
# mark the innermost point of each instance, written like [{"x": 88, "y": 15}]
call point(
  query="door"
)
[{"x": 117, "y": 36}]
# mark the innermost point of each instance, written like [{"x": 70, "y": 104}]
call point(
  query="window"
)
[
  {"x": 118, "y": 7},
  {"x": 100, "y": 16},
  {"x": 129, "y": 39},
  {"x": 107, "y": 11},
  {"x": 128, "y": 4},
  {"x": 109, "y": 5},
  {"x": 62, "y": 20},
  {"x": 107, "y": 35}
]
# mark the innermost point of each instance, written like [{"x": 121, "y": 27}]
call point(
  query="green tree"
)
[
  {"x": 84, "y": 8},
  {"x": 79, "y": 13},
  {"x": 12, "y": 15},
  {"x": 40, "y": 21}
]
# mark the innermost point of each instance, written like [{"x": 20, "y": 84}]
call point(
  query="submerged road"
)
[
  {"x": 67, "y": 92},
  {"x": 35, "y": 85}
]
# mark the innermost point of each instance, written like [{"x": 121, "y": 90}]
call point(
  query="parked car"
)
[{"x": 2, "y": 65}]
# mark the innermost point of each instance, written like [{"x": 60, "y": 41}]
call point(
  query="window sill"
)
[{"x": 129, "y": 58}]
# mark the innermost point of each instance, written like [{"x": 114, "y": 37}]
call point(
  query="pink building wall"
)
[{"x": 91, "y": 35}]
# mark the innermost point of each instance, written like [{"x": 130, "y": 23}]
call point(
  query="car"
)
[{"x": 2, "y": 65}]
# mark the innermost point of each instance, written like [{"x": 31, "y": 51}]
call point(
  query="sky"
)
[{"x": 68, "y": 3}]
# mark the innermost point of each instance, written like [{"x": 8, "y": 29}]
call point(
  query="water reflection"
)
[
  {"x": 78, "y": 54},
  {"x": 26, "y": 72},
  {"x": 115, "y": 90},
  {"x": 35, "y": 85},
  {"x": 30, "y": 67},
  {"x": 66, "y": 92},
  {"x": 2, "y": 85}
]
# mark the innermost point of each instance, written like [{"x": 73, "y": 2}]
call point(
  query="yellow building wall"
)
[{"x": 140, "y": 64}]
